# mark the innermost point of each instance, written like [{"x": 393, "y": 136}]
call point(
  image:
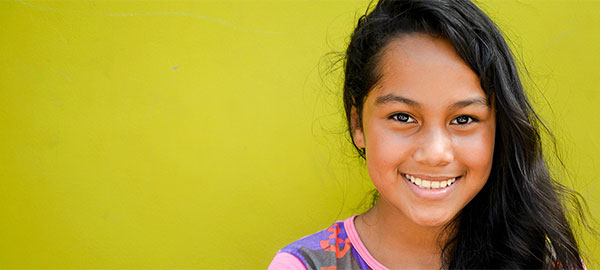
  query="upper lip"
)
[{"x": 431, "y": 177}]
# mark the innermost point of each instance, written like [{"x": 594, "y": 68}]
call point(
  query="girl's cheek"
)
[
  {"x": 476, "y": 150},
  {"x": 388, "y": 148}
]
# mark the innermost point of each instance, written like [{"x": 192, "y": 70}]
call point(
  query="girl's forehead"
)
[
  {"x": 426, "y": 70},
  {"x": 418, "y": 47}
]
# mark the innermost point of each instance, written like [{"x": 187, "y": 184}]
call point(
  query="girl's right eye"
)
[{"x": 402, "y": 117}]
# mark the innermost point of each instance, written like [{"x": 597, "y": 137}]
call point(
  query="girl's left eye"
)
[{"x": 463, "y": 120}]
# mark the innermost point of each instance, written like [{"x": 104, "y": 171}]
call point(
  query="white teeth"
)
[{"x": 426, "y": 184}]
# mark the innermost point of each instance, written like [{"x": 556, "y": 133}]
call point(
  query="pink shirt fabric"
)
[{"x": 284, "y": 260}]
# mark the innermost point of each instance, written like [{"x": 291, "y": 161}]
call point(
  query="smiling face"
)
[{"x": 428, "y": 131}]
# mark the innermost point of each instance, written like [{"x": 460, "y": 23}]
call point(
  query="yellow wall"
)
[{"x": 209, "y": 134}]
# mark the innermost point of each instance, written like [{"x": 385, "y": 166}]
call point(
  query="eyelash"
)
[
  {"x": 397, "y": 115},
  {"x": 407, "y": 117},
  {"x": 470, "y": 120}
]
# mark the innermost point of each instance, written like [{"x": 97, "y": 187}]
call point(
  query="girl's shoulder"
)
[{"x": 336, "y": 247}]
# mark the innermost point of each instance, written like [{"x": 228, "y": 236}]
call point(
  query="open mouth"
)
[{"x": 431, "y": 184}]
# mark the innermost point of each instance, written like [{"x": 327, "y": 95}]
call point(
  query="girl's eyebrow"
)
[
  {"x": 390, "y": 98},
  {"x": 464, "y": 103}
]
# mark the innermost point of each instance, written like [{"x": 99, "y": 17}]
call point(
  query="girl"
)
[{"x": 435, "y": 105}]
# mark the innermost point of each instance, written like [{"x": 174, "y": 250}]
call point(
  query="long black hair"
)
[{"x": 518, "y": 219}]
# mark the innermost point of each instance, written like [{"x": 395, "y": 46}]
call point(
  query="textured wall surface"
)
[{"x": 209, "y": 134}]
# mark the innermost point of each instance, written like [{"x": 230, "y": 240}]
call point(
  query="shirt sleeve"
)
[{"x": 286, "y": 261}]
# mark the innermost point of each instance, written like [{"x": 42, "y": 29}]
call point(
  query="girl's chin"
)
[{"x": 431, "y": 220}]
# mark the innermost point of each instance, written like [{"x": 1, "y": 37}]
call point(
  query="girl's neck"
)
[{"x": 397, "y": 242}]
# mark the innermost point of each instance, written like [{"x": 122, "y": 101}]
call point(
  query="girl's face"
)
[{"x": 428, "y": 131}]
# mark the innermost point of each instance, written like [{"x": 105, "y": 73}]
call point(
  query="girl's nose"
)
[{"x": 434, "y": 148}]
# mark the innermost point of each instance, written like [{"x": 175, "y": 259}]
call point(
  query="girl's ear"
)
[{"x": 357, "y": 130}]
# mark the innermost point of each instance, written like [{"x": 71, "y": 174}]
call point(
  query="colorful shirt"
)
[{"x": 337, "y": 247}]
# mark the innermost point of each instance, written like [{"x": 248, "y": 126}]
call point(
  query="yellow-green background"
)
[{"x": 209, "y": 134}]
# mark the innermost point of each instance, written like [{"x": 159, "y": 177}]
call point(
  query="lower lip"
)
[{"x": 431, "y": 194}]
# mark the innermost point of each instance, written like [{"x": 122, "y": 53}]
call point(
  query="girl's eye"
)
[
  {"x": 463, "y": 120},
  {"x": 402, "y": 117}
]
